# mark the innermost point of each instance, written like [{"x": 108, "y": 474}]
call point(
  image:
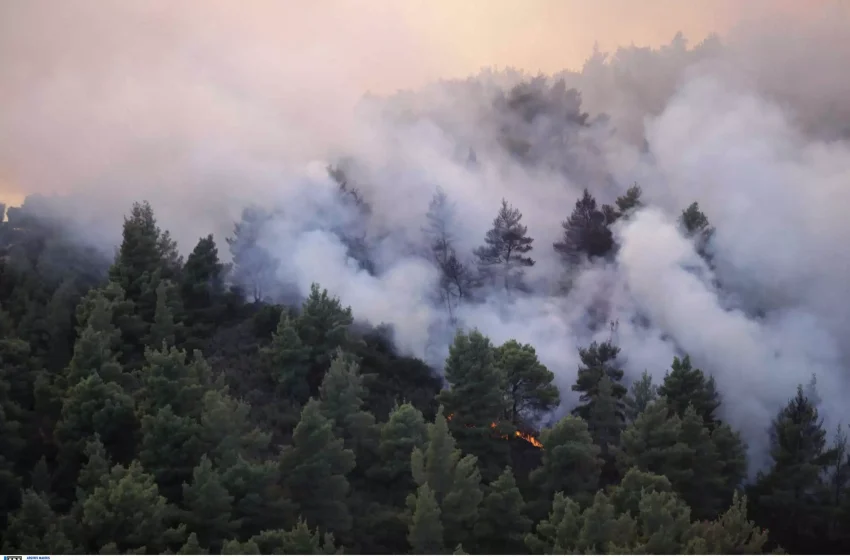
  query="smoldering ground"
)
[{"x": 204, "y": 110}]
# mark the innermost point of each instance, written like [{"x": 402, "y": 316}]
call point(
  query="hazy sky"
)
[{"x": 98, "y": 60}]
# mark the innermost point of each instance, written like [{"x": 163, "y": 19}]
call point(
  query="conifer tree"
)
[
  {"x": 209, "y": 507},
  {"x": 586, "y": 233},
  {"x": 641, "y": 393},
  {"x": 426, "y": 528},
  {"x": 289, "y": 359},
  {"x": 315, "y": 469},
  {"x": 127, "y": 514},
  {"x": 323, "y": 328},
  {"x": 404, "y": 431},
  {"x": 475, "y": 401},
  {"x": 454, "y": 479},
  {"x": 35, "y": 526},
  {"x": 503, "y": 256},
  {"x": 788, "y": 499},
  {"x": 202, "y": 291},
  {"x": 529, "y": 389},
  {"x": 570, "y": 463},
  {"x": 685, "y": 386},
  {"x": 456, "y": 281},
  {"x": 597, "y": 360},
  {"x": 502, "y": 523}
]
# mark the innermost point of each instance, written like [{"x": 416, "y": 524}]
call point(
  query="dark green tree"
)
[
  {"x": 475, "y": 401},
  {"x": 502, "y": 523},
  {"x": 315, "y": 469},
  {"x": 290, "y": 362},
  {"x": 35, "y": 526},
  {"x": 503, "y": 256},
  {"x": 685, "y": 386},
  {"x": 789, "y": 498},
  {"x": 586, "y": 233},
  {"x": 571, "y": 464},
  {"x": 209, "y": 507},
  {"x": 529, "y": 389},
  {"x": 454, "y": 479},
  {"x": 127, "y": 514},
  {"x": 641, "y": 393},
  {"x": 323, "y": 328},
  {"x": 203, "y": 292},
  {"x": 426, "y": 529}
]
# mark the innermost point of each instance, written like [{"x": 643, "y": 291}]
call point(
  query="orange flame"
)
[{"x": 522, "y": 435}]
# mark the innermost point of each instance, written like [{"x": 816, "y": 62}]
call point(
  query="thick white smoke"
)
[{"x": 210, "y": 115}]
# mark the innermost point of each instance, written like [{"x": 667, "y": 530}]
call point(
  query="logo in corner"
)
[{"x": 13, "y": 558}]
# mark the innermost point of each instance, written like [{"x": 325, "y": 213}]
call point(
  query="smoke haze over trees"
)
[{"x": 640, "y": 263}]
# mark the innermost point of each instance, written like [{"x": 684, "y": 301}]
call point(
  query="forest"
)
[
  {"x": 248, "y": 308},
  {"x": 150, "y": 405}
]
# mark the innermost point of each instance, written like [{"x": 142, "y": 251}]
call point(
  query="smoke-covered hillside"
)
[{"x": 688, "y": 200}]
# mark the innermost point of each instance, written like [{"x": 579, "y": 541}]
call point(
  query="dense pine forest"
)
[
  {"x": 248, "y": 307},
  {"x": 149, "y": 405}
]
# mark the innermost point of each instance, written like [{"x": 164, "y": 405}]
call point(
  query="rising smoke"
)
[{"x": 204, "y": 111}]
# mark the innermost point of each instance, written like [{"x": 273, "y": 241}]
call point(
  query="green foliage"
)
[
  {"x": 571, "y": 464},
  {"x": 209, "y": 507},
  {"x": 685, "y": 386},
  {"x": 586, "y": 232},
  {"x": 504, "y": 254},
  {"x": 155, "y": 411},
  {"x": 787, "y": 497},
  {"x": 529, "y": 391},
  {"x": 641, "y": 393},
  {"x": 475, "y": 401},
  {"x": 426, "y": 528},
  {"x": 315, "y": 469},
  {"x": 502, "y": 523},
  {"x": 127, "y": 513},
  {"x": 454, "y": 479}
]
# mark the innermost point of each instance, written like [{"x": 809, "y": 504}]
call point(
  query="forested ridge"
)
[{"x": 149, "y": 405}]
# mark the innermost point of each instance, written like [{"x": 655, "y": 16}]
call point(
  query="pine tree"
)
[
  {"x": 323, "y": 328},
  {"x": 731, "y": 533},
  {"x": 253, "y": 266},
  {"x": 570, "y": 464},
  {"x": 193, "y": 547},
  {"x": 163, "y": 329},
  {"x": 169, "y": 449},
  {"x": 300, "y": 540},
  {"x": 93, "y": 407},
  {"x": 630, "y": 201},
  {"x": 404, "y": 431},
  {"x": 697, "y": 227},
  {"x": 315, "y": 469},
  {"x": 456, "y": 281},
  {"x": 529, "y": 392},
  {"x": 168, "y": 380},
  {"x": 685, "y": 386},
  {"x": 209, "y": 507},
  {"x": 475, "y": 401},
  {"x": 586, "y": 233},
  {"x": 502, "y": 524},
  {"x": 504, "y": 249},
  {"x": 652, "y": 444},
  {"x": 641, "y": 394},
  {"x": 705, "y": 490},
  {"x": 788, "y": 500},
  {"x": 35, "y": 526},
  {"x": 426, "y": 528},
  {"x": 289, "y": 358},
  {"x": 202, "y": 291},
  {"x": 126, "y": 513},
  {"x": 454, "y": 479},
  {"x": 603, "y": 400}
]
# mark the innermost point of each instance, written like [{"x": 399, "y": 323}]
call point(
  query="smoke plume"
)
[{"x": 205, "y": 109}]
